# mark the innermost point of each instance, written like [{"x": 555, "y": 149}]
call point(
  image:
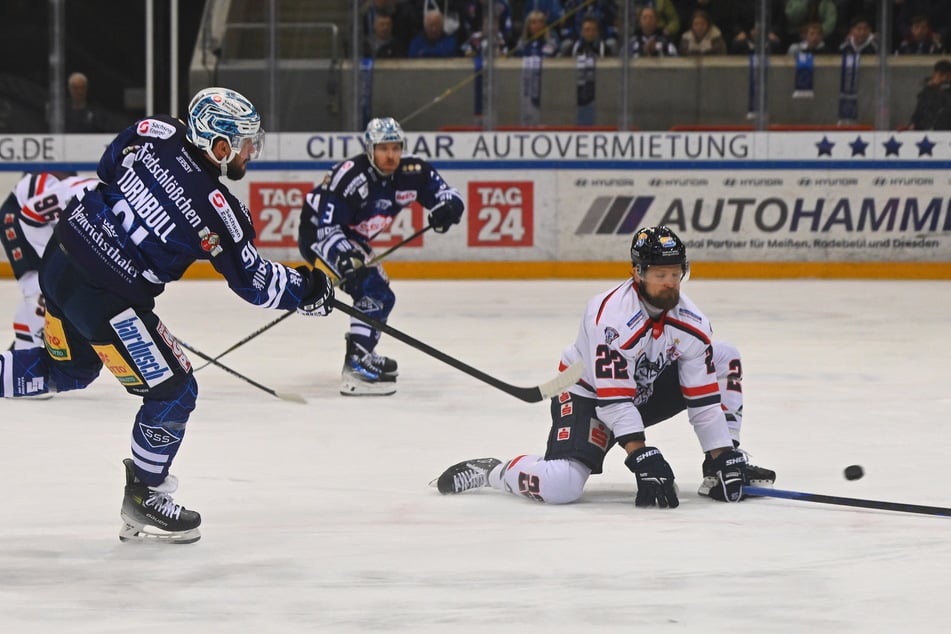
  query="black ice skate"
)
[
  {"x": 366, "y": 373},
  {"x": 471, "y": 474},
  {"x": 755, "y": 476},
  {"x": 151, "y": 516}
]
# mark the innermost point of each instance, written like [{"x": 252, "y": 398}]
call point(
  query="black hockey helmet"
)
[{"x": 653, "y": 246}]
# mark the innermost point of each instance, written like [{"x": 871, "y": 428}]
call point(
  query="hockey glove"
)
[
  {"x": 318, "y": 293},
  {"x": 446, "y": 214},
  {"x": 352, "y": 268},
  {"x": 730, "y": 469},
  {"x": 655, "y": 479}
]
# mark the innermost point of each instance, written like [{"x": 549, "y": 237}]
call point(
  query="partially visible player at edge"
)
[
  {"x": 359, "y": 198},
  {"x": 159, "y": 208},
  {"x": 648, "y": 354},
  {"x": 29, "y": 215}
]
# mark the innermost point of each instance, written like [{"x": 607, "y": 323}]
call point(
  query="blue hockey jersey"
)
[{"x": 159, "y": 208}]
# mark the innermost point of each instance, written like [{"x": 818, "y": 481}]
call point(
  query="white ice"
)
[{"x": 319, "y": 517}]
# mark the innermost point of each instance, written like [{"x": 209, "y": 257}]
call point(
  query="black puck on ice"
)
[{"x": 854, "y": 472}]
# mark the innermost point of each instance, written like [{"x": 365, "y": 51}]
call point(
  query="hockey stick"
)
[
  {"x": 528, "y": 394},
  {"x": 285, "y": 396},
  {"x": 841, "y": 501},
  {"x": 266, "y": 327}
]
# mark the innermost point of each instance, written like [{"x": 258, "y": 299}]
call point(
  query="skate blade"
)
[
  {"x": 362, "y": 388},
  {"x": 131, "y": 534}
]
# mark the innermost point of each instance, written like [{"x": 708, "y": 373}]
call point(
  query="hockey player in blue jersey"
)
[
  {"x": 359, "y": 198},
  {"x": 160, "y": 207}
]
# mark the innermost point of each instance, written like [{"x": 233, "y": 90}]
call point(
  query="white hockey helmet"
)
[
  {"x": 223, "y": 113},
  {"x": 382, "y": 130}
]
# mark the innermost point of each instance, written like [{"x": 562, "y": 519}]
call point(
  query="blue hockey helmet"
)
[
  {"x": 382, "y": 130},
  {"x": 654, "y": 246},
  {"x": 223, "y": 113}
]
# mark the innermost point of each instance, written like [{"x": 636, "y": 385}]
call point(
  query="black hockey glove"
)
[
  {"x": 318, "y": 293},
  {"x": 446, "y": 214},
  {"x": 730, "y": 467},
  {"x": 655, "y": 478},
  {"x": 352, "y": 268}
]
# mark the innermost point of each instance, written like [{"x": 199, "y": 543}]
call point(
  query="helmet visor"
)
[{"x": 250, "y": 147}]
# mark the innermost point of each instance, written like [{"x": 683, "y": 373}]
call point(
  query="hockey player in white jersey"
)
[
  {"x": 648, "y": 354},
  {"x": 29, "y": 215}
]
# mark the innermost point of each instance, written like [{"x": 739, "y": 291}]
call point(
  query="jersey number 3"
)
[{"x": 610, "y": 364}]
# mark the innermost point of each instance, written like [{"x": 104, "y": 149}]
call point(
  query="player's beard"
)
[
  {"x": 665, "y": 300},
  {"x": 235, "y": 171}
]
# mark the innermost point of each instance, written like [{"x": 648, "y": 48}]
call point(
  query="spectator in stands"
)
[
  {"x": 668, "y": 20},
  {"x": 801, "y": 12},
  {"x": 937, "y": 12},
  {"x": 744, "y": 43},
  {"x": 590, "y": 44},
  {"x": 933, "y": 108},
  {"x": 551, "y": 9},
  {"x": 80, "y": 116},
  {"x": 860, "y": 39},
  {"x": 404, "y": 23},
  {"x": 703, "y": 37},
  {"x": 921, "y": 40},
  {"x": 812, "y": 41},
  {"x": 537, "y": 40},
  {"x": 433, "y": 41},
  {"x": 474, "y": 16},
  {"x": 381, "y": 43},
  {"x": 648, "y": 40},
  {"x": 575, "y": 13}
]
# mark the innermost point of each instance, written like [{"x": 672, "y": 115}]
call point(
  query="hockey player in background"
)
[
  {"x": 359, "y": 198},
  {"x": 29, "y": 215},
  {"x": 159, "y": 208},
  {"x": 648, "y": 354}
]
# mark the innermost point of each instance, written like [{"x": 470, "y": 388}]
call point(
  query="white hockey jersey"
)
[
  {"x": 42, "y": 196},
  {"x": 623, "y": 350}
]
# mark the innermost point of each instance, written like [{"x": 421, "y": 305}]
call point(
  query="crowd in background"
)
[{"x": 551, "y": 28}]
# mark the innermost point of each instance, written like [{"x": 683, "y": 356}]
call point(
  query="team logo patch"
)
[
  {"x": 563, "y": 433},
  {"x": 55, "y": 338},
  {"x": 610, "y": 334},
  {"x": 566, "y": 410},
  {"x": 158, "y": 437},
  {"x": 226, "y": 213},
  {"x": 210, "y": 241},
  {"x": 116, "y": 364},
  {"x": 598, "y": 434},
  {"x": 146, "y": 356}
]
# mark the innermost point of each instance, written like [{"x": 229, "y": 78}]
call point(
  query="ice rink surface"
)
[{"x": 319, "y": 517}]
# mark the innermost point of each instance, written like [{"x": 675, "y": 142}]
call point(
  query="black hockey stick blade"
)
[
  {"x": 274, "y": 322},
  {"x": 534, "y": 394},
  {"x": 284, "y": 396},
  {"x": 843, "y": 501}
]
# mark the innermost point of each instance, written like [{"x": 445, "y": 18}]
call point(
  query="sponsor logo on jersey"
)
[
  {"x": 210, "y": 241},
  {"x": 686, "y": 313},
  {"x": 145, "y": 355},
  {"x": 54, "y": 336},
  {"x": 17, "y": 254},
  {"x": 157, "y": 436},
  {"x": 172, "y": 344},
  {"x": 563, "y": 433},
  {"x": 155, "y": 128},
  {"x": 359, "y": 181},
  {"x": 636, "y": 318},
  {"x": 404, "y": 197},
  {"x": 116, "y": 364},
  {"x": 564, "y": 397},
  {"x": 598, "y": 434},
  {"x": 220, "y": 203},
  {"x": 567, "y": 409},
  {"x": 341, "y": 172},
  {"x": 11, "y": 234}
]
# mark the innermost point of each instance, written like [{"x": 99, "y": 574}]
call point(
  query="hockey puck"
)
[{"x": 854, "y": 472}]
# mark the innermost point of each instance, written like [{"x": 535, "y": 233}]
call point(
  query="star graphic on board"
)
[
  {"x": 825, "y": 146},
  {"x": 924, "y": 147},
  {"x": 858, "y": 146},
  {"x": 891, "y": 146}
]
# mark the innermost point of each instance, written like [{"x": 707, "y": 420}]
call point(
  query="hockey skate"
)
[
  {"x": 151, "y": 516},
  {"x": 755, "y": 476},
  {"x": 366, "y": 373},
  {"x": 471, "y": 474}
]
